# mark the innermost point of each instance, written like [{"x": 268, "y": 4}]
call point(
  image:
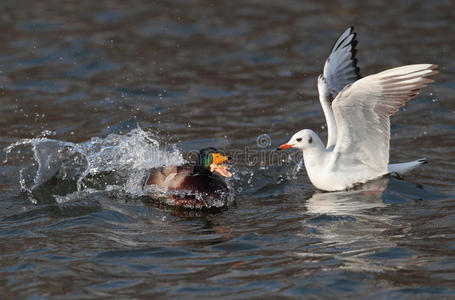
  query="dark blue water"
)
[{"x": 94, "y": 93}]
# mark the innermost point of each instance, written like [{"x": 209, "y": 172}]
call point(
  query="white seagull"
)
[{"x": 357, "y": 111}]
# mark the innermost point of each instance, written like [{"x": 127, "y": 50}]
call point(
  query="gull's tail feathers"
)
[{"x": 406, "y": 167}]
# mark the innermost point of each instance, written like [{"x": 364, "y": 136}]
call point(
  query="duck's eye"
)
[
  {"x": 310, "y": 140},
  {"x": 299, "y": 139}
]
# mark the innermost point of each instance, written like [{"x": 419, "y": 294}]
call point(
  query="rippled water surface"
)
[{"x": 94, "y": 93}]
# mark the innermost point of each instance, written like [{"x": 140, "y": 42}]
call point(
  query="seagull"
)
[{"x": 357, "y": 111}]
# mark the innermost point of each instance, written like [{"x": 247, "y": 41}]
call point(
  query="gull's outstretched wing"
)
[
  {"x": 363, "y": 109},
  {"x": 340, "y": 69}
]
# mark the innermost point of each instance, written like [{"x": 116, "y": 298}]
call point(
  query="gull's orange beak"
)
[{"x": 285, "y": 146}]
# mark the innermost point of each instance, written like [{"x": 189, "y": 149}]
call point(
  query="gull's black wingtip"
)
[{"x": 423, "y": 161}]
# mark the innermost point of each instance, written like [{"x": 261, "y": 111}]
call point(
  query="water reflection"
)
[
  {"x": 352, "y": 222},
  {"x": 353, "y": 202}
]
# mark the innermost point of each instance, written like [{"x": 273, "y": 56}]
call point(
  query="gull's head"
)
[{"x": 302, "y": 140}]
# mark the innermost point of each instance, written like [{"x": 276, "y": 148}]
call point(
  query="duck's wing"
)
[
  {"x": 362, "y": 111},
  {"x": 169, "y": 177},
  {"x": 204, "y": 183},
  {"x": 340, "y": 69}
]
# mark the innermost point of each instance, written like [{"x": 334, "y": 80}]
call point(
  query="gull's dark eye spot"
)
[
  {"x": 310, "y": 140},
  {"x": 299, "y": 139}
]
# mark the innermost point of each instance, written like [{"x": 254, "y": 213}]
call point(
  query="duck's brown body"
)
[
  {"x": 188, "y": 179},
  {"x": 185, "y": 178}
]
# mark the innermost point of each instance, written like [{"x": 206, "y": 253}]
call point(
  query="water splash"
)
[
  {"x": 50, "y": 157},
  {"x": 296, "y": 169},
  {"x": 120, "y": 160},
  {"x": 189, "y": 199}
]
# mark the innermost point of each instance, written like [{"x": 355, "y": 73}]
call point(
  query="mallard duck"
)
[{"x": 205, "y": 177}]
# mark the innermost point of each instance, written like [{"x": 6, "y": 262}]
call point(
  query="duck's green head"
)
[{"x": 211, "y": 159}]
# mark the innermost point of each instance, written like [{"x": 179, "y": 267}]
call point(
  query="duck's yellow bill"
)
[
  {"x": 218, "y": 159},
  {"x": 220, "y": 169}
]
